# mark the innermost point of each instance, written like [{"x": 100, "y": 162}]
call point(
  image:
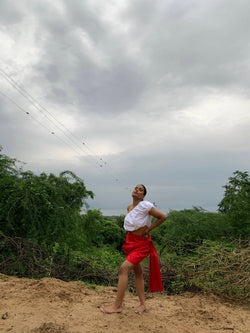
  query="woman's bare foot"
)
[
  {"x": 141, "y": 308},
  {"x": 111, "y": 309}
]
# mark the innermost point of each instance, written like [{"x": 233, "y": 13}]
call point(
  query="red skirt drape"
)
[{"x": 136, "y": 249}]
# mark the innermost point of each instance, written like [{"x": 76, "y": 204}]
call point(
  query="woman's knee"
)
[
  {"x": 125, "y": 268},
  {"x": 138, "y": 271}
]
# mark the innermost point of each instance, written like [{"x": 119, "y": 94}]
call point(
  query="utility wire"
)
[
  {"x": 46, "y": 127},
  {"x": 53, "y": 120},
  {"x": 39, "y": 122},
  {"x": 73, "y": 139}
]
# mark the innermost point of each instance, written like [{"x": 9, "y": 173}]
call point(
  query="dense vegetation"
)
[{"x": 46, "y": 229}]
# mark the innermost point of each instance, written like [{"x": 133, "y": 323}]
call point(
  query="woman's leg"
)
[
  {"x": 139, "y": 284},
  {"x": 122, "y": 286}
]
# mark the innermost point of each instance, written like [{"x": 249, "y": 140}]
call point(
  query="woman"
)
[{"x": 138, "y": 246}]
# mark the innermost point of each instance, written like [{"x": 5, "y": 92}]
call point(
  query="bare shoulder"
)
[{"x": 130, "y": 207}]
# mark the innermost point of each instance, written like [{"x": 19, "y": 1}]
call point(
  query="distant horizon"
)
[{"x": 166, "y": 211}]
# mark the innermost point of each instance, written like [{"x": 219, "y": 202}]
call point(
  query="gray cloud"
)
[
  {"x": 10, "y": 14},
  {"x": 200, "y": 43},
  {"x": 69, "y": 62}
]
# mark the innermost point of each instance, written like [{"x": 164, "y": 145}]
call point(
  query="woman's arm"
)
[{"x": 160, "y": 218}]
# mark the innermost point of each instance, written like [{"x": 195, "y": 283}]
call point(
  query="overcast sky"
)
[{"x": 135, "y": 91}]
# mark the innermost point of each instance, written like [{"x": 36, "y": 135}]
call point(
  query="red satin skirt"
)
[{"x": 136, "y": 249}]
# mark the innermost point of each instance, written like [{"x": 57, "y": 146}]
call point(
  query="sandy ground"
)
[{"x": 53, "y": 306}]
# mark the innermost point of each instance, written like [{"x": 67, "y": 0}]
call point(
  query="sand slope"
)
[{"x": 53, "y": 306}]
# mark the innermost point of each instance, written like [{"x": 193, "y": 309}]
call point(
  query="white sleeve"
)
[{"x": 146, "y": 206}]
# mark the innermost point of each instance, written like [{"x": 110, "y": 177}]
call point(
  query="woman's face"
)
[{"x": 138, "y": 192}]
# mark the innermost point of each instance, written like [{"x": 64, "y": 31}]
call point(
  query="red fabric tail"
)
[{"x": 155, "y": 282}]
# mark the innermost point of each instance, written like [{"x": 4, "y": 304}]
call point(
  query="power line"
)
[
  {"x": 43, "y": 110},
  {"x": 71, "y": 137},
  {"x": 37, "y": 105},
  {"x": 39, "y": 122},
  {"x": 52, "y": 119}
]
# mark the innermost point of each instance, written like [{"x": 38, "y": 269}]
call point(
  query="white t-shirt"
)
[{"x": 138, "y": 217}]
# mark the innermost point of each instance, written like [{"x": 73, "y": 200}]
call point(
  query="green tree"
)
[
  {"x": 91, "y": 224},
  {"x": 113, "y": 234},
  {"x": 120, "y": 220},
  {"x": 46, "y": 208},
  {"x": 236, "y": 203},
  {"x": 189, "y": 227},
  {"x": 7, "y": 165},
  {"x": 99, "y": 230}
]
